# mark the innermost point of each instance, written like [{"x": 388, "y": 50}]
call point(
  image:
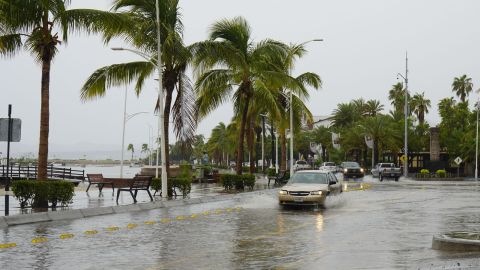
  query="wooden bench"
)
[
  {"x": 97, "y": 179},
  {"x": 281, "y": 178},
  {"x": 136, "y": 184}
]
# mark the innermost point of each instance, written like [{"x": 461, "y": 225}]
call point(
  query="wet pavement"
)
[{"x": 386, "y": 225}]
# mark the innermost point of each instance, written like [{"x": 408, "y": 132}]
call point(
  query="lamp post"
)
[
  {"x": 291, "y": 115},
  {"x": 161, "y": 128},
  {"x": 476, "y": 143},
  {"x": 276, "y": 153},
  {"x": 405, "y": 166}
]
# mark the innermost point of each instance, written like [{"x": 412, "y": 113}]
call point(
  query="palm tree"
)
[
  {"x": 360, "y": 106},
  {"x": 217, "y": 144},
  {"x": 142, "y": 34},
  {"x": 145, "y": 148},
  {"x": 130, "y": 148},
  {"x": 397, "y": 97},
  {"x": 32, "y": 25},
  {"x": 462, "y": 86},
  {"x": 344, "y": 115},
  {"x": 231, "y": 64},
  {"x": 379, "y": 129},
  {"x": 420, "y": 106},
  {"x": 373, "y": 107}
]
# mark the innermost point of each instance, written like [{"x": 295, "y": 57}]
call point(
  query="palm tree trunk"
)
[
  {"x": 166, "y": 125},
  {"x": 283, "y": 150},
  {"x": 44, "y": 119},
  {"x": 376, "y": 154},
  {"x": 241, "y": 136},
  {"x": 249, "y": 131}
]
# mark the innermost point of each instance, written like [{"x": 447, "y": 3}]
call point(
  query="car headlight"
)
[
  {"x": 361, "y": 170},
  {"x": 283, "y": 192},
  {"x": 345, "y": 170},
  {"x": 318, "y": 192}
]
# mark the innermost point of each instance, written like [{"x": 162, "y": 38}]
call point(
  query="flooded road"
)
[{"x": 389, "y": 226}]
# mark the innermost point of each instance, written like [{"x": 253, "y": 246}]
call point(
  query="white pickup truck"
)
[{"x": 386, "y": 170}]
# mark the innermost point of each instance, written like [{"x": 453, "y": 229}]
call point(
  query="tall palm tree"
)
[
  {"x": 33, "y": 25},
  {"x": 141, "y": 33},
  {"x": 373, "y": 107},
  {"x": 397, "y": 97},
  {"x": 217, "y": 143},
  {"x": 344, "y": 115},
  {"x": 420, "y": 106},
  {"x": 231, "y": 64},
  {"x": 132, "y": 149},
  {"x": 145, "y": 148},
  {"x": 462, "y": 86},
  {"x": 379, "y": 129}
]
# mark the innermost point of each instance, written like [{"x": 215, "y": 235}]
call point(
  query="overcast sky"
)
[{"x": 364, "y": 49}]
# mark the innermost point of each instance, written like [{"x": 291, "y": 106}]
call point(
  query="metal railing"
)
[{"x": 20, "y": 171}]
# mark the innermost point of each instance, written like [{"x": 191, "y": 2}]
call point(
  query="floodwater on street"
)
[{"x": 389, "y": 226}]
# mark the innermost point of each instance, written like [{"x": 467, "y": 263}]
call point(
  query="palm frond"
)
[
  {"x": 184, "y": 110},
  {"x": 112, "y": 76},
  {"x": 10, "y": 44}
]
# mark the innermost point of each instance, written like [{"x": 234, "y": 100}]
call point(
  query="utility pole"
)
[{"x": 405, "y": 166}]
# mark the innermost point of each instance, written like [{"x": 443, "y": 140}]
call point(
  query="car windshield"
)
[
  {"x": 309, "y": 178},
  {"x": 351, "y": 164},
  {"x": 329, "y": 164},
  {"x": 387, "y": 165}
]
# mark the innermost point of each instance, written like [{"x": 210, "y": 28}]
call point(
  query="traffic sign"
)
[
  {"x": 458, "y": 160},
  {"x": 403, "y": 158}
]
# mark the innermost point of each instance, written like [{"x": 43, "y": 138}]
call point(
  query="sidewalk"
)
[{"x": 93, "y": 199}]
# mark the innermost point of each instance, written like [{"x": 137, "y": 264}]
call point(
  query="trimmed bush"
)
[
  {"x": 441, "y": 173},
  {"x": 156, "y": 184},
  {"x": 239, "y": 182},
  {"x": 271, "y": 172},
  {"x": 424, "y": 171},
  {"x": 39, "y": 193},
  {"x": 24, "y": 191},
  {"x": 184, "y": 184}
]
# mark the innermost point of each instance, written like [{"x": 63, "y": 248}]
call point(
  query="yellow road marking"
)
[
  {"x": 113, "y": 228},
  {"x": 66, "y": 235},
  {"x": 8, "y": 245},
  {"x": 39, "y": 240},
  {"x": 151, "y": 222},
  {"x": 91, "y": 232},
  {"x": 165, "y": 220},
  {"x": 132, "y": 226}
]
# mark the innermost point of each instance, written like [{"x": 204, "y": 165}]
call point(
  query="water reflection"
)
[{"x": 319, "y": 223}]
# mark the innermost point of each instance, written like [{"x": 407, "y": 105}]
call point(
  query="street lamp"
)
[
  {"x": 405, "y": 165},
  {"x": 126, "y": 118},
  {"x": 161, "y": 129},
  {"x": 263, "y": 141},
  {"x": 291, "y": 114}
]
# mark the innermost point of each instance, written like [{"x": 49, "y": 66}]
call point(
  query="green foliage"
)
[
  {"x": 184, "y": 184},
  {"x": 271, "y": 172},
  {"x": 424, "y": 171},
  {"x": 441, "y": 173},
  {"x": 24, "y": 191},
  {"x": 156, "y": 184},
  {"x": 239, "y": 182},
  {"x": 36, "y": 193}
]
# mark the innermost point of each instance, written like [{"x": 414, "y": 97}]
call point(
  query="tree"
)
[
  {"x": 345, "y": 115},
  {"x": 145, "y": 148},
  {"x": 141, "y": 33},
  {"x": 373, "y": 107},
  {"x": 231, "y": 64},
  {"x": 379, "y": 128},
  {"x": 397, "y": 97},
  {"x": 420, "y": 106},
  {"x": 33, "y": 25},
  {"x": 131, "y": 148},
  {"x": 462, "y": 86}
]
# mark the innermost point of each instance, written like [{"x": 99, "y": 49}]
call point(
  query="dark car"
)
[{"x": 352, "y": 169}]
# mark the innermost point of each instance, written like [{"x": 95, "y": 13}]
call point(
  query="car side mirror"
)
[{"x": 331, "y": 183}]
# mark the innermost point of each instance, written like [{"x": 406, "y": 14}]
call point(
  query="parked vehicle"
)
[
  {"x": 309, "y": 187},
  {"x": 386, "y": 170},
  {"x": 329, "y": 167},
  {"x": 351, "y": 169},
  {"x": 301, "y": 165}
]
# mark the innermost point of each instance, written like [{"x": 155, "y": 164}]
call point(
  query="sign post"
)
[
  {"x": 10, "y": 131},
  {"x": 458, "y": 161}
]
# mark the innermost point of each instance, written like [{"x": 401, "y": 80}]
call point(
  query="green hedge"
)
[
  {"x": 239, "y": 182},
  {"x": 271, "y": 172},
  {"x": 184, "y": 184},
  {"x": 34, "y": 193},
  {"x": 441, "y": 173}
]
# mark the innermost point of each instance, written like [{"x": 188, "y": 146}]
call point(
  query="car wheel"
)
[{"x": 396, "y": 179}]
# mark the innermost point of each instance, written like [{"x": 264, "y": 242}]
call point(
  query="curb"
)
[
  {"x": 441, "y": 242},
  {"x": 9, "y": 221}
]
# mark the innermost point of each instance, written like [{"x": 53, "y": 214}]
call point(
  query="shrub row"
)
[
  {"x": 184, "y": 184},
  {"x": 424, "y": 173},
  {"x": 35, "y": 193},
  {"x": 239, "y": 182}
]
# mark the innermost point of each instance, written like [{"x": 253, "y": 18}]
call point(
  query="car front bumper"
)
[
  {"x": 302, "y": 200},
  {"x": 353, "y": 174}
]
